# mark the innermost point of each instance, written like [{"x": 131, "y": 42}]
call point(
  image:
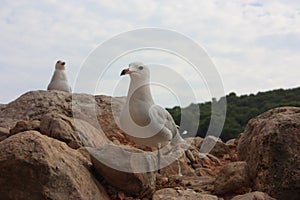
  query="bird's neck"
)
[{"x": 140, "y": 89}]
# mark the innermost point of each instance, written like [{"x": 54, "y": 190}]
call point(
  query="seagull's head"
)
[
  {"x": 60, "y": 65},
  {"x": 137, "y": 70}
]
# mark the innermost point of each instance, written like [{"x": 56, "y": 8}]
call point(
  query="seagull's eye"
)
[{"x": 141, "y": 67}]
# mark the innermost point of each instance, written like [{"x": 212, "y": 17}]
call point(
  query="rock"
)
[
  {"x": 25, "y": 125},
  {"x": 190, "y": 156},
  {"x": 214, "y": 159},
  {"x": 219, "y": 148},
  {"x": 203, "y": 183},
  {"x": 253, "y": 195},
  {"x": 205, "y": 172},
  {"x": 176, "y": 167},
  {"x": 33, "y": 105},
  {"x": 2, "y": 107},
  {"x": 4, "y": 133},
  {"x": 230, "y": 142},
  {"x": 74, "y": 132},
  {"x": 100, "y": 111},
  {"x": 232, "y": 177},
  {"x": 271, "y": 145},
  {"x": 194, "y": 141},
  {"x": 34, "y": 166},
  {"x": 173, "y": 194},
  {"x": 122, "y": 166}
]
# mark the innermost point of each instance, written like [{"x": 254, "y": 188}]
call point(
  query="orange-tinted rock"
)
[
  {"x": 271, "y": 145},
  {"x": 34, "y": 166}
]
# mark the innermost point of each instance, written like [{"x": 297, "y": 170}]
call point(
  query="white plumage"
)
[
  {"x": 59, "y": 79},
  {"x": 146, "y": 123}
]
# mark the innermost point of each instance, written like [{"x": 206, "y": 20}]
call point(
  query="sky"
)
[{"x": 253, "y": 45}]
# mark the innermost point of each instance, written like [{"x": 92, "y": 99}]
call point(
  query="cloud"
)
[{"x": 254, "y": 44}]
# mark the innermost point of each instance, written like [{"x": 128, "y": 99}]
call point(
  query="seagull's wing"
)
[{"x": 163, "y": 118}]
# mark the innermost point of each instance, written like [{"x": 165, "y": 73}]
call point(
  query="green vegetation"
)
[{"x": 240, "y": 109}]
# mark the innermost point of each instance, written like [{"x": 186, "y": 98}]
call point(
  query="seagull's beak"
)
[{"x": 124, "y": 71}]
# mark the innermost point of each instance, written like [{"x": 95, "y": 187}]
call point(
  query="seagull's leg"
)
[
  {"x": 158, "y": 157},
  {"x": 179, "y": 167}
]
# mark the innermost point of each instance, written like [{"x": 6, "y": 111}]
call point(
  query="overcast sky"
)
[{"x": 255, "y": 45}]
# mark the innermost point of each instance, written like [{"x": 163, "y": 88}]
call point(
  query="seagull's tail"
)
[{"x": 177, "y": 139}]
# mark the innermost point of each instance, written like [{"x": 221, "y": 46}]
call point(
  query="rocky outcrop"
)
[
  {"x": 54, "y": 145},
  {"x": 232, "y": 177},
  {"x": 271, "y": 145},
  {"x": 34, "y": 166}
]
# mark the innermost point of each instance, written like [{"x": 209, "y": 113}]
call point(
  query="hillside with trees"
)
[{"x": 240, "y": 109}]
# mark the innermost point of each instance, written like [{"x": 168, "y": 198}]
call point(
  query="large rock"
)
[
  {"x": 172, "y": 194},
  {"x": 271, "y": 145},
  {"x": 232, "y": 177},
  {"x": 33, "y": 105},
  {"x": 253, "y": 195},
  {"x": 74, "y": 132},
  {"x": 122, "y": 167},
  {"x": 34, "y": 166},
  {"x": 100, "y": 111}
]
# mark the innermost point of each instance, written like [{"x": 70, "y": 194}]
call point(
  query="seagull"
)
[
  {"x": 146, "y": 123},
  {"x": 59, "y": 79}
]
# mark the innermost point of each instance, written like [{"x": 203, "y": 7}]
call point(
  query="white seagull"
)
[
  {"x": 146, "y": 123},
  {"x": 59, "y": 79}
]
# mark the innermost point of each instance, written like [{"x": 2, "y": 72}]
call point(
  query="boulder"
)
[
  {"x": 177, "y": 194},
  {"x": 25, "y": 125},
  {"x": 232, "y": 177},
  {"x": 271, "y": 145},
  {"x": 126, "y": 168},
  {"x": 74, "y": 132},
  {"x": 253, "y": 195},
  {"x": 34, "y": 166}
]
